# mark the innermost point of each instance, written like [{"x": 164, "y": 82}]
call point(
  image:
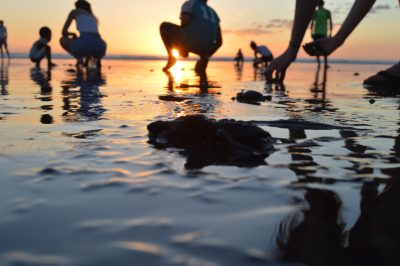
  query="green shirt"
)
[
  {"x": 200, "y": 35},
  {"x": 321, "y": 17}
]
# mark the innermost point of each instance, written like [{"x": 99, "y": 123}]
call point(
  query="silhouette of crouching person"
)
[
  {"x": 41, "y": 48},
  {"x": 199, "y": 33}
]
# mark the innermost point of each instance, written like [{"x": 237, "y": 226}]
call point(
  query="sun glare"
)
[
  {"x": 175, "y": 53},
  {"x": 177, "y": 72}
]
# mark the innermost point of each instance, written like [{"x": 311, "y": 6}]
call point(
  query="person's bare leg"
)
[
  {"x": 98, "y": 63},
  {"x": 319, "y": 61},
  {"x": 168, "y": 32},
  {"x": 66, "y": 44},
  {"x": 170, "y": 63},
  {"x": 6, "y": 47},
  {"x": 202, "y": 64},
  {"x": 50, "y": 64}
]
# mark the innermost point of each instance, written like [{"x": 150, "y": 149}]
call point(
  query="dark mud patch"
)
[
  {"x": 251, "y": 97},
  {"x": 172, "y": 98},
  {"x": 210, "y": 142},
  {"x": 84, "y": 134}
]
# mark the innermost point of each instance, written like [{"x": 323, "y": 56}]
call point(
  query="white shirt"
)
[
  {"x": 264, "y": 51},
  {"x": 87, "y": 23}
]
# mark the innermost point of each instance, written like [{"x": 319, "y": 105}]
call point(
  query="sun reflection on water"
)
[{"x": 177, "y": 72}]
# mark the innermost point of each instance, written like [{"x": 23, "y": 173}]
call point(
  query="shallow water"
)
[{"x": 80, "y": 185}]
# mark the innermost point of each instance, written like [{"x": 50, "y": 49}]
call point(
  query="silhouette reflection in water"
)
[
  {"x": 4, "y": 76},
  {"x": 193, "y": 96},
  {"x": 319, "y": 102},
  {"x": 82, "y": 97},
  {"x": 239, "y": 71},
  {"x": 43, "y": 80},
  {"x": 316, "y": 235}
]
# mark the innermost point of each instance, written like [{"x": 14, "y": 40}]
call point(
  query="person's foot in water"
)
[{"x": 171, "y": 62}]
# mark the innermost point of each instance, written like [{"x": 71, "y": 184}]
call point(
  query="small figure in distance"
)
[
  {"x": 3, "y": 39},
  {"x": 262, "y": 55},
  {"x": 239, "y": 58},
  {"x": 319, "y": 27},
  {"x": 42, "y": 49},
  {"x": 89, "y": 44},
  {"x": 199, "y": 33}
]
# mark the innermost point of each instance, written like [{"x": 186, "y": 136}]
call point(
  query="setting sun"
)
[{"x": 175, "y": 53}]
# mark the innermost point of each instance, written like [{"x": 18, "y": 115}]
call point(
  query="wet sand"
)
[{"x": 80, "y": 185}]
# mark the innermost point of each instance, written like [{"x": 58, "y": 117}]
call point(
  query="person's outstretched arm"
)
[
  {"x": 304, "y": 13},
  {"x": 312, "y": 24},
  {"x": 330, "y": 24},
  {"x": 359, "y": 10},
  {"x": 65, "y": 32}
]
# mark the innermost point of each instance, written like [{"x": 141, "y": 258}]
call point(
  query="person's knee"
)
[
  {"x": 62, "y": 41},
  {"x": 164, "y": 27}
]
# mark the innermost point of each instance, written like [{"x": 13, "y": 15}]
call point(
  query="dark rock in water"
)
[
  {"x": 356, "y": 74},
  {"x": 48, "y": 171},
  {"x": 209, "y": 142},
  {"x": 372, "y": 101},
  {"x": 251, "y": 97},
  {"x": 171, "y": 98}
]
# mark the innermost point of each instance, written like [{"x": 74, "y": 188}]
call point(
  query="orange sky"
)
[{"x": 131, "y": 27}]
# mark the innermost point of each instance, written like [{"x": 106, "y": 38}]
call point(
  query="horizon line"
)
[{"x": 217, "y": 58}]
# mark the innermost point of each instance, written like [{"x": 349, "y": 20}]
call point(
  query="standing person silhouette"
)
[
  {"x": 319, "y": 26},
  {"x": 89, "y": 43},
  {"x": 303, "y": 15},
  {"x": 199, "y": 33},
  {"x": 3, "y": 39},
  {"x": 239, "y": 58}
]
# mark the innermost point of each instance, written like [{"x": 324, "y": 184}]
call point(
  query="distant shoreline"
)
[{"x": 220, "y": 59}]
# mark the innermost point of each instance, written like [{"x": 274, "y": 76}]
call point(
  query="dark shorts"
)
[
  {"x": 174, "y": 36},
  {"x": 318, "y": 36},
  {"x": 89, "y": 44}
]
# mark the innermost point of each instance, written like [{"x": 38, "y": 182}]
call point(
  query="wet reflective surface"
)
[{"x": 80, "y": 185}]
